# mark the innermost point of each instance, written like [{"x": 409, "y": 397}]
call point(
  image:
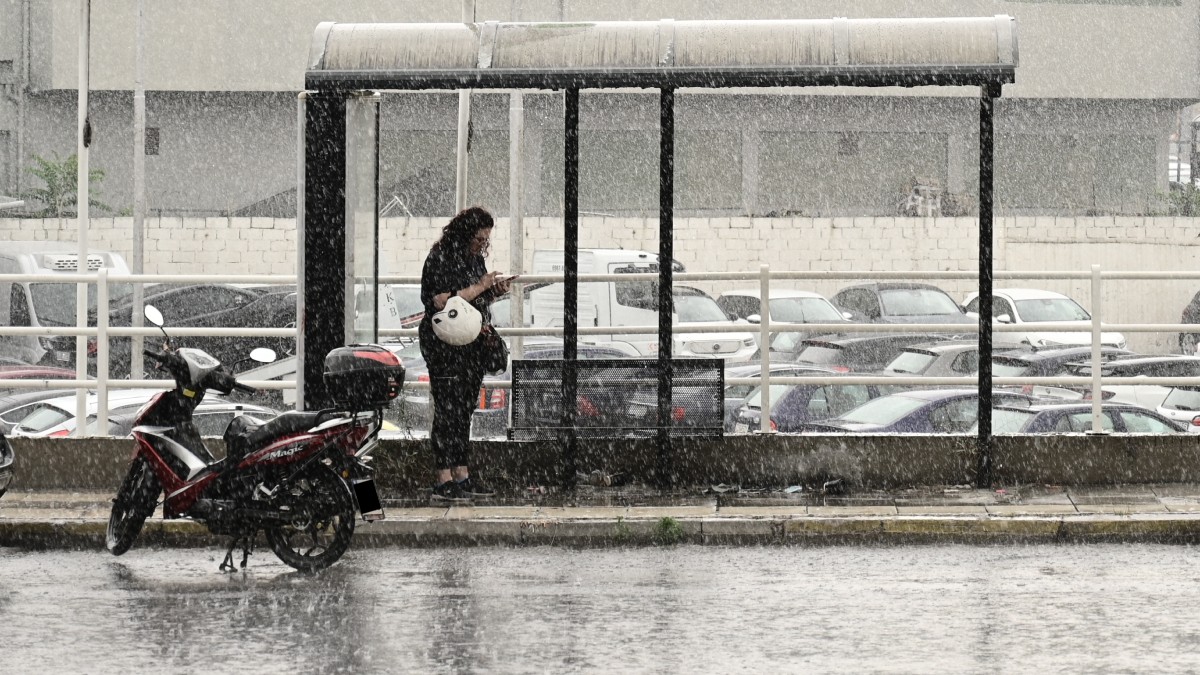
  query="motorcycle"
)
[{"x": 299, "y": 477}]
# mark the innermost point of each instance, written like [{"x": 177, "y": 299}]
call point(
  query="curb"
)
[{"x": 67, "y": 534}]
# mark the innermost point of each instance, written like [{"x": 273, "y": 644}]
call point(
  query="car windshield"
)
[
  {"x": 1007, "y": 421},
  {"x": 408, "y": 301},
  {"x": 694, "y": 308},
  {"x": 754, "y": 399},
  {"x": 910, "y": 363},
  {"x": 54, "y": 303},
  {"x": 820, "y": 354},
  {"x": 883, "y": 410},
  {"x": 43, "y": 418},
  {"x": 804, "y": 310},
  {"x": 1051, "y": 309},
  {"x": 786, "y": 342},
  {"x": 917, "y": 302},
  {"x": 1009, "y": 367},
  {"x": 1182, "y": 398}
]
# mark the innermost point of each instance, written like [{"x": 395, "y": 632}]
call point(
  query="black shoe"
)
[
  {"x": 473, "y": 488},
  {"x": 449, "y": 492}
]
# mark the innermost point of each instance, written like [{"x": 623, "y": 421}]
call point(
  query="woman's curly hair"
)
[{"x": 460, "y": 231}]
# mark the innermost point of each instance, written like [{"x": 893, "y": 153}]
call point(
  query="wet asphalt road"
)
[{"x": 960, "y": 609}]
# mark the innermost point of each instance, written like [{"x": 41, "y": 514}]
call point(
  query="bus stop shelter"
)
[{"x": 349, "y": 64}]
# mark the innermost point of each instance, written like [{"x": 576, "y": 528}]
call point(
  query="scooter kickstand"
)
[
  {"x": 227, "y": 564},
  {"x": 247, "y": 545}
]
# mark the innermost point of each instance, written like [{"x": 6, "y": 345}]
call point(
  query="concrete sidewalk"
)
[{"x": 716, "y": 515}]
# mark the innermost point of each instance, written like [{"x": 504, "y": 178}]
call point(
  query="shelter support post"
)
[
  {"x": 666, "y": 278},
  {"x": 323, "y": 239},
  {"x": 983, "y": 441},
  {"x": 570, "y": 382}
]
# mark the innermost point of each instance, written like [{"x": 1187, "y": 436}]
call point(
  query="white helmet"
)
[{"x": 458, "y": 323}]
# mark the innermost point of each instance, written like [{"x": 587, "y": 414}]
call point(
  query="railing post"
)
[
  {"x": 1097, "y": 398},
  {"x": 101, "y": 354},
  {"x": 764, "y": 347}
]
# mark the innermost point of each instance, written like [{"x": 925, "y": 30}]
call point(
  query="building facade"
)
[{"x": 1084, "y": 131}]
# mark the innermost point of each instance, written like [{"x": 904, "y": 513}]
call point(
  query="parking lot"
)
[{"x": 854, "y": 341}]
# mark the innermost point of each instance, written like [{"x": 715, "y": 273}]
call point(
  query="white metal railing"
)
[{"x": 765, "y": 329}]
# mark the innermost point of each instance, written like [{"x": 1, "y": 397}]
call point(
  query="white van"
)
[
  {"x": 46, "y": 303},
  {"x": 634, "y": 303}
]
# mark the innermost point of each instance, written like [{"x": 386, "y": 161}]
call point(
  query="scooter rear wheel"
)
[
  {"x": 134, "y": 503},
  {"x": 320, "y": 533}
]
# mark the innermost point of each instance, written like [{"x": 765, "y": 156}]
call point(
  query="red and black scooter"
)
[{"x": 299, "y": 477}]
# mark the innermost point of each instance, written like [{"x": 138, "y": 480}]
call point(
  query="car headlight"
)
[{"x": 749, "y": 342}]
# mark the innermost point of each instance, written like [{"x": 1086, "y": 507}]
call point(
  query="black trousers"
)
[{"x": 455, "y": 389}]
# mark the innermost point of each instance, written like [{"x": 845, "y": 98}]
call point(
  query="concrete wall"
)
[
  {"x": 268, "y": 246},
  {"x": 863, "y": 462}
]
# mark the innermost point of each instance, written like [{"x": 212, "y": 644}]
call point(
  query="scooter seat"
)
[
  {"x": 291, "y": 422},
  {"x": 243, "y": 436}
]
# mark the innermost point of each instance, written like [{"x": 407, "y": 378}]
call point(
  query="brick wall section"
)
[{"x": 268, "y": 246}]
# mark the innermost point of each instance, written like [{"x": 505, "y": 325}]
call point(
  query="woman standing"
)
[{"x": 455, "y": 266}]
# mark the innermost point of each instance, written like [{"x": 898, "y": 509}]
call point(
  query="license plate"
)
[
  {"x": 636, "y": 411},
  {"x": 368, "y": 500},
  {"x": 62, "y": 356},
  {"x": 741, "y": 428}
]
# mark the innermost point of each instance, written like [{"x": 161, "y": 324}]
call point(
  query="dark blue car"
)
[
  {"x": 925, "y": 411},
  {"x": 1059, "y": 418},
  {"x": 6, "y": 464},
  {"x": 793, "y": 405}
]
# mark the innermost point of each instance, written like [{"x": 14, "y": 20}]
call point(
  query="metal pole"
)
[
  {"x": 301, "y": 198},
  {"x": 1097, "y": 398},
  {"x": 82, "y": 215},
  {"x": 983, "y": 441},
  {"x": 464, "y": 127},
  {"x": 516, "y": 187},
  {"x": 666, "y": 279},
  {"x": 764, "y": 349},
  {"x": 136, "y": 366},
  {"x": 101, "y": 355},
  {"x": 570, "y": 383}
]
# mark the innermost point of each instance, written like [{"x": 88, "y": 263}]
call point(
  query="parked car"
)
[
  {"x": 900, "y": 302},
  {"x": 1052, "y": 362},
  {"x": 735, "y": 394},
  {"x": 7, "y": 458},
  {"x": 948, "y": 358},
  {"x": 25, "y": 371},
  {"x": 616, "y": 304},
  {"x": 924, "y": 411},
  {"x": 1189, "y": 343},
  {"x": 787, "y": 306},
  {"x": 1146, "y": 395},
  {"x": 53, "y": 417},
  {"x": 1057, "y": 418},
  {"x": 1030, "y": 306},
  {"x": 1182, "y": 406},
  {"x": 408, "y": 304},
  {"x": 796, "y": 404},
  {"x": 490, "y": 418},
  {"x": 16, "y": 405},
  {"x": 201, "y": 305},
  {"x": 858, "y": 352}
]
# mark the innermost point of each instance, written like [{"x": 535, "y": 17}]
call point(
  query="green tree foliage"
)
[{"x": 60, "y": 196}]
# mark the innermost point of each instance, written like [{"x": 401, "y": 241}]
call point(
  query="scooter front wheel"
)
[
  {"x": 134, "y": 503},
  {"x": 320, "y": 531}
]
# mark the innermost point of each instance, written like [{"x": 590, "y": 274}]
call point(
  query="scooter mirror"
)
[
  {"x": 263, "y": 355},
  {"x": 155, "y": 317}
]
